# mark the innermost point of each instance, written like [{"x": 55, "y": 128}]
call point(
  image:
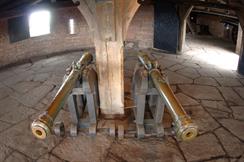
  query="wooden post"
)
[
  {"x": 188, "y": 22},
  {"x": 108, "y": 21},
  {"x": 184, "y": 12},
  {"x": 240, "y": 14},
  {"x": 239, "y": 40},
  {"x": 241, "y": 58}
]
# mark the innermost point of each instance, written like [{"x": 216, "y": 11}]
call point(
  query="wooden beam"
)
[
  {"x": 129, "y": 14},
  {"x": 184, "y": 11},
  {"x": 199, "y": 3},
  {"x": 87, "y": 9},
  {"x": 188, "y": 22},
  {"x": 108, "y": 21},
  {"x": 214, "y": 13},
  {"x": 239, "y": 41},
  {"x": 26, "y": 9},
  {"x": 16, "y": 4},
  {"x": 145, "y": 2},
  {"x": 240, "y": 14},
  {"x": 230, "y": 5},
  {"x": 240, "y": 68}
]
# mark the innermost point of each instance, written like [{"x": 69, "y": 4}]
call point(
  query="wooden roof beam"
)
[
  {"x": 229, "y": 5},
  {"x": 26, "y": 9}
]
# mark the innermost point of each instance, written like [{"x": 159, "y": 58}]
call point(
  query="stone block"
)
[
  {"x": 202, "y": 148},
  {"x": 234, "y": 126},
  {"x": 203, "y": 120},
  {"x": 231, "y": 144},
  {"x": 155, "y": 150},
  {"x": 17, "y": 157},
  {"x": 34, "y": 96},
  {"x": 20, "y": 138},
  {"x": 206, "y": 81},
  {"x": 201, "y": 92},
  {"x": 84, "y": 148}
]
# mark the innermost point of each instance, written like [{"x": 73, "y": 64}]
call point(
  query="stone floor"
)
[{"x": 211, "y": 94}]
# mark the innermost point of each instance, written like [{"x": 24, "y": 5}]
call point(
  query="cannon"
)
[
  {"x": 80, "y": 91},
  {"x": 43, "y": 126},
  {"x": 149, "y": 82}
]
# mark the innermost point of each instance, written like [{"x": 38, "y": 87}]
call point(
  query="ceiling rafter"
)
[
  {"x": 35, "y": 4},
  {"x": 9, "y": 8}
]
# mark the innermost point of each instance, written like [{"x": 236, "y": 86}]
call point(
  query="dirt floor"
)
[{"x": 203, "y": 78}]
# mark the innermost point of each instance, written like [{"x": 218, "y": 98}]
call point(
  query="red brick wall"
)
[
  {"x": 140, "y": 33},
  {"x": 59, "y": 40}
]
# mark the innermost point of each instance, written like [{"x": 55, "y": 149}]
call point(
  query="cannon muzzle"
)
[
  {"x": 185, "y": 129},
  {"x": 42, "y": 126}
]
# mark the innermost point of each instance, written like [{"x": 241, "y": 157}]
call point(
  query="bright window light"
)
[
  {"x": 39, "y": 23},
  {"x": 71, "y": 26}
]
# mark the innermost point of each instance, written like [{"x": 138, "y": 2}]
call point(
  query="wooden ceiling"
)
[{"x": 12, "y": 8}]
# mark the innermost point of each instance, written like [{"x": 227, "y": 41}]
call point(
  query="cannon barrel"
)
[
  {"x": 185, "y": 129},
  {"x": 42, "y": 126}
]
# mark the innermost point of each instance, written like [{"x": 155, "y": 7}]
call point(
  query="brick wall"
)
[
  {"x": 141, "y": 29},
  {"x": 140, "y": 34}
]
